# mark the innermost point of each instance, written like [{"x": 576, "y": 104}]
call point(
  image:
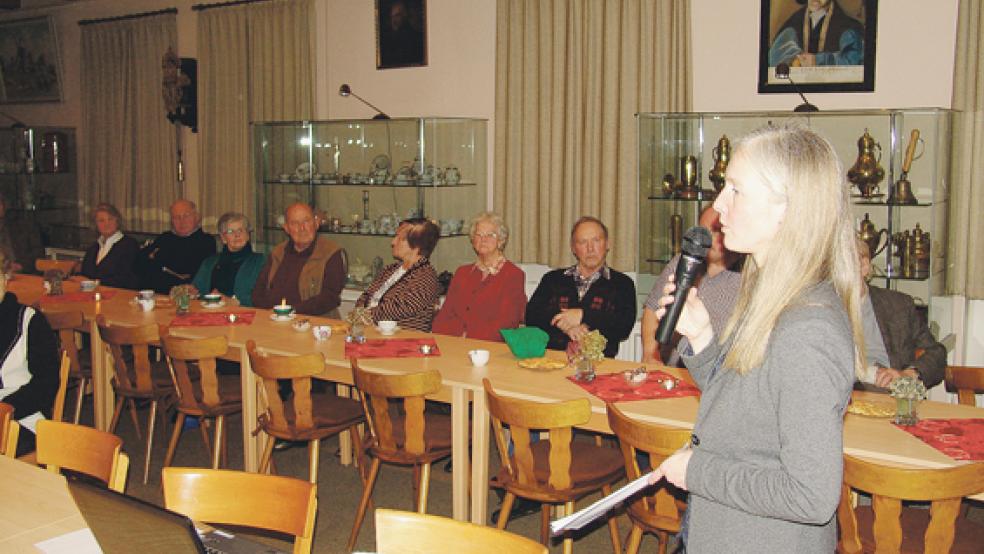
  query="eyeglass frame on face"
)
[
  {"x": 492, "y": 235},
  {"x": 231, "y": 232}
]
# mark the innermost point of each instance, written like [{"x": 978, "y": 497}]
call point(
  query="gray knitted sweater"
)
[{"x": 766, "y": 470}]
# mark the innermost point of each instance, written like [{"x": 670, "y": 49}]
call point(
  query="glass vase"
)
[
  {"x": 584, "y": 369},
  {"x": 905, "y": 411}
]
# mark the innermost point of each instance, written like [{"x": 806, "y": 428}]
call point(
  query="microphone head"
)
[
  {"x": 344, "y": 90},
  {"x": 782, "y": 70},
  {"x": 696, "y": 242}
]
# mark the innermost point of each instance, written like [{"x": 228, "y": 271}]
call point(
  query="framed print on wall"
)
[
  {"x": 829, "y": 45},
  {"x": 401, "y": 33},
  {"x": 29, "y": 62}
]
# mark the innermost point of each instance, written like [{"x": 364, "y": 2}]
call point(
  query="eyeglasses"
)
[
  {"x": 481, "y": 236},
  {"x": 231, "y": 232}
]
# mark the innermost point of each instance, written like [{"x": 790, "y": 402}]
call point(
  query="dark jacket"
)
[
  {"x": 160, "y": 263},
  {"x": 116, "y": 268},
  {"x": 903, "y": 330},
  {"x": 37, "y": 394}
]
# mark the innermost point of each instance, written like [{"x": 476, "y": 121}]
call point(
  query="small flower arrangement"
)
[
  {"x": 909, "y": 388},
  {"x": 592, "y": 346},
  {"x": 181, "y": 295},
  {"x": 587, "y": 352},
  {"x": 359, "y": 316}
]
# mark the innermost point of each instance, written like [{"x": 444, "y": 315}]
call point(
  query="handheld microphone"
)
[{"x": 696, "y": 242}]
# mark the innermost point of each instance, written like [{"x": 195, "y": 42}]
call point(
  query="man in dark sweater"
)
[
  {"x": 589, "y": 295},
  {"x": 174, "y": 256}
]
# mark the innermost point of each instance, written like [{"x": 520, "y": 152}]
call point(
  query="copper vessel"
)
[
  {"x": 722, "y": 155},
  {"x": 867, "y": 172}
]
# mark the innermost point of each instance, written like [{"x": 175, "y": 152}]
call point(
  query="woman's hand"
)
[
  {"x": 694, "y": 322},
  {"x": 674, "y": 468}
]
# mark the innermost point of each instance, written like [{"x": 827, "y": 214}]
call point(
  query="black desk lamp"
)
[
  {"x": 782, "y": 72},
  {"x": 346, "y": 90}
]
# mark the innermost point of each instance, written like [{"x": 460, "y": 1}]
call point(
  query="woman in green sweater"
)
[{"x": 233, "y": 271}]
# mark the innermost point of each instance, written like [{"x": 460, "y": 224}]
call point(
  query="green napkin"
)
[{"x": 526, "y": 342}]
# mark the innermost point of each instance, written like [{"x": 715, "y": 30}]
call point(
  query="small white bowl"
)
[
  {"x": 321, "y": 332},
  {"x": 479, "y": 357},
  {"x": 387, "y": 326}
]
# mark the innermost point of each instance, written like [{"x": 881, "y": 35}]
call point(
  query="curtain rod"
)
[
  {"x": 131, "y": 16},
  {"x": 202, "y": 7}
]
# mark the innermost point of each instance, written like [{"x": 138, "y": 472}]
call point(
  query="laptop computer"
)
[{"x": 123, "y": 523}]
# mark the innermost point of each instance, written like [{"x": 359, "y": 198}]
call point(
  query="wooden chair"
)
[
  {"x": 282, "y": 504},
  {"x": 412, "y": 533},
  {"x": 660, "y": 512},
  {"x": 898, "y": 529},
  {"x": 67, "y": 267},
  {"x": 9, "y": 431},
  {"x": 303, "y": 416},
  {"x": 136, "y": 378},
  {"x": 400, "y": 431},
  {"x": 58, "y": 410},
  {"x": 66, "y": 324},
  {"x": 554, "y": 471},
  {"x": 83, "y": 449},
  {"x": 201, "y": 391},
  {"x": 966, "y": 382}
]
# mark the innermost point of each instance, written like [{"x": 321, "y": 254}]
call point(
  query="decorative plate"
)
[
  {"x": 871, "y": 409},
  {"x": 542, "y": 364}
]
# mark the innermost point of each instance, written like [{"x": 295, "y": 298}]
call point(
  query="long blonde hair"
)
[{"x": 814, "y": 243}]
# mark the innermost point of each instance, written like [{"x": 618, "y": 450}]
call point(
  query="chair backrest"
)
[
  {"x": 221, "y": 496},
  {"x": 659, "y": 509},
  {"x": 66, "y": 323},
  {"x": 967, "y": 382},
  {"x": 376, "y": 390},
  {"x": 889, "y": 486},
  {"x": 83, "y": 449},
  {"x": 137, "y": 380},
  {"x": 299, "y": 369},
  {"x": 9, "y": 431},
  {"x": 183, "y": 355},
  {"x": 67, "y": 267},
  {"x": 400, "y": 532},
  {"x": 522, "y": 416}
]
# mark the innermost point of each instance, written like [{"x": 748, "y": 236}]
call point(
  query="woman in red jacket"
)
[{"x": 487, "y": 295}]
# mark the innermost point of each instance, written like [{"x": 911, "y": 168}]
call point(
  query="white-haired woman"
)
[
  {"x": 233, "y": 271},
  {"x": 487, "y": 295},
  {"x": 764, "y": 468}
]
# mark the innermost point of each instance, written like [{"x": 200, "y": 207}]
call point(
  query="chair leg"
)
[
  {"x": 545, "y": 524},
  {"x": 415, "y": 487},
  {"x": 363, "y": 503},
  {"x": 219, "y": 437},
  {"x": 151, "y": 420},
  {"x": 205, "y": 440},
  {"x": 267, "y": 455},
  {"x": 505, "y": 510},
  {"x": 313, "y": 451},
  {"x": 613, "y": 525},
  {"x": 78, "y": 400},
  {"x": 664, "y": 539},
  {"x": 116, "y": 414},
  {"x": 175, "y": 437},
  {"x": 425, "y": 474},
  {"x": 133, "y": 416},
  {"x": 569, "y": 540},
  {"x": 635, "y": 539}
]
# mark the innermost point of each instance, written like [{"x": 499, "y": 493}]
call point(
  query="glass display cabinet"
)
[
  {"x": 365, "y": 176},
  {"x": 899, "y": 192}
]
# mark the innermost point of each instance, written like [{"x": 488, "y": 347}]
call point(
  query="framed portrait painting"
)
[
  {"x": 401, "y": 33},
  {"x": 829, "y": 45},
  {"x": 29, "y": 62}
]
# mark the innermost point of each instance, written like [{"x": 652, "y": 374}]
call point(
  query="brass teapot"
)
[
  {"x": 872, "y": 236},
  {"x": 722, "y": 155},
  {"x": 920, "y": 253},
  {"x": 866, "y": 172},
  {"x": 902, "y": 248}
]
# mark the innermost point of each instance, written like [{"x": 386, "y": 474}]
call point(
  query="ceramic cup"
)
[
  {"x": 88, "y": 286},
  {"x": 212, "y": 298},
  {"x": 146, "y": 304},
  {"x": 479, "y": 357},
  {"x": 145, "y": 294},
  {"x": 321, "y": 332},
  {"x": 387, "y": 326},
  {"x": 283, "y": 310}
]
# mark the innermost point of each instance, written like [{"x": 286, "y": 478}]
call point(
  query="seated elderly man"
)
[
  {"x": 589, "y": 295},
  {"x": 174, "y": 256},
  {"x": 893, "y": 332},
  {"x": 306, "y": 270}
]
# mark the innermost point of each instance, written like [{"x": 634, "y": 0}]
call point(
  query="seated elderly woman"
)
[
  {"x": 110, "y": 259},
  {"x": 233, "y": 271},
  {"x": 487, "y": 295},
  {"x": 28, "y": 362},
  {"x": 407, "y": 291}
]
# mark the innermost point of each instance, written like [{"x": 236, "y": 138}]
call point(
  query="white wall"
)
[{"x": 913, "y": 65}]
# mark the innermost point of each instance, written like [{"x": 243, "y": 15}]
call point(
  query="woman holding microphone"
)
[{"x": 764, "y": 466}]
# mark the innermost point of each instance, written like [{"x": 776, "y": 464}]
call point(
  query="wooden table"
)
[
  {"x": 875, "y": 439},
  {"x": 36, "y": 506}
]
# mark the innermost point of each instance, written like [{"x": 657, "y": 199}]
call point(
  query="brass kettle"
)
[
  {"x": 722, "y": 155},
  {"x": 872, "y": 236},
  {"x": 866, "y": 172}
]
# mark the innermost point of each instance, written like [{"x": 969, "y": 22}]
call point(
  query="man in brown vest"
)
[{"x": 307, "y": 271}]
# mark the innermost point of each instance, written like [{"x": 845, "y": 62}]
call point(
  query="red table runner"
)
[
  {"x": 960, "y": 439},
  {"x": 390, "y": 348},
  {"x": 75, "y": 297},
  {"x": 211, "y": 319},
  {"x": 612, "y": 387}
]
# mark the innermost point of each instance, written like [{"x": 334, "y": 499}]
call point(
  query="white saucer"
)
[
  {"x": 208, "y": 306},
  {"x": 390, "y": 333},
  {"x": 276, "y": 317}
]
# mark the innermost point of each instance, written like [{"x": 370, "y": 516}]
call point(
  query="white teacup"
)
[
  {"x": 387, "y": 326},
  {"x": 479, "y": 357},
  {"x": 146, "y": 304},
  {"x": 321, "y": 332},
  {"x": 145, "y": 294}
]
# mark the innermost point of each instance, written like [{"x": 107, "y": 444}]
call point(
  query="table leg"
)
[
  {"x": 480, "y": 459},
  {"x": 102, "y": 387},
  {"x": 344, "y": 438},
  {"x": 459, "y": 453},
  {"x": 251, "y": 445}
]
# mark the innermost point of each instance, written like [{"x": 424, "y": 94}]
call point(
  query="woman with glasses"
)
[
  {"x": 487, "y": 295},
  {"x": 233, "y": 271},
  {"x": 110, "y": 259}
]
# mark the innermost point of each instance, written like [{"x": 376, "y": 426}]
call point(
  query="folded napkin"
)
[
  {"x": 75, "y": 297},
  {"x": 960, "y": 439},
  {"x": 526, "y": 342},
  {"x": 390, "y": 348},
  {"x": 211, "y": 319},
  {"x": 612, "y": 387}
]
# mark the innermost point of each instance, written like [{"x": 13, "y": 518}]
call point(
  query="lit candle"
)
[
  {"x": 96, "y": 296},
  {"x": 283, "y": 302}
]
